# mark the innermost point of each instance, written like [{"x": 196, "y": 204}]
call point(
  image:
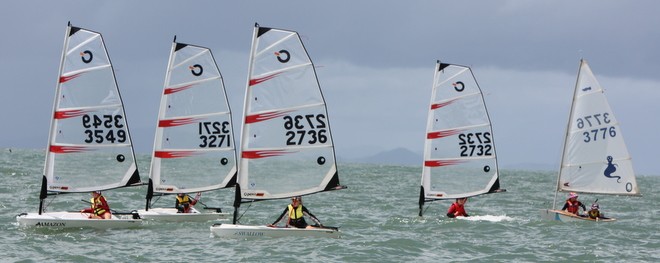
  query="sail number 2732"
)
[
  {"x": 475, "y": 144},
  {"x": 101, "y": 128},
  {"x": 309, "y": 128}
]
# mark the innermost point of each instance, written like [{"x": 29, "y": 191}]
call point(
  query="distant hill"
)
[
  {"x": 403, "y": 156},
  {"x": 398, "y": 156}
]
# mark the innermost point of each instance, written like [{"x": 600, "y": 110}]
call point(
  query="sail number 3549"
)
[
  {"x": 101, "y": 128},
  {"x": 475, "y": 144},
  {"x": 308, "y": 128}
]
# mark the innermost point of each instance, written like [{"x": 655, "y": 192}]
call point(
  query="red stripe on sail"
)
[
  {"x": 174, "y": 154},
  {"x": 174, "y": 90},
  {"x": 67, "y": 78},
  {"x": 263, "y": 154},
  {"x": 439, "y": 163},
  {"x": 64, "y": 114},
  {"x": 262, "y": 79},
  {"x": 442, "y": 134},
  {"x": 264, "y": 116},
  {"x": 67, "y": 149},
  {"x": 440, "y": 105},
  {"x": 177, "y": 122}
]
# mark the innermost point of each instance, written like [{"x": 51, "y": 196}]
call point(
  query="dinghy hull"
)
[
  {"x": 557, "y": 215},
  {"x": 243, "y": 231},
  {"x": 171, "y": 215},
  {"x": 75, "y": 220}
]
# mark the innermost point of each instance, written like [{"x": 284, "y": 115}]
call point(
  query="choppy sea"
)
[{"x": 377, "y": 215}]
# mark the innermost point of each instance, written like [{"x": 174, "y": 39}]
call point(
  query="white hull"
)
[
  {"x": 75, "y": 220},
  {"x": 171, "y": 215},
  {"x": 557, "y": 215},
  {"x": 243, "y": 231}
]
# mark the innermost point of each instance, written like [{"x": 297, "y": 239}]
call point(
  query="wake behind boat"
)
[
  {"x": 459, "y": 148},
  {"x": 595, "y": 159},
  {"x": 89, "y": 145},
  {"x": 194, "y": 133},
  {"x": 286, "y": 145}
]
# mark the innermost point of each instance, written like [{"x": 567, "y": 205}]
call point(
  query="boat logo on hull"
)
[
  {"x": 86, "y": 59},
  {"x": 280, "y": 57},
  {"x": 51, "y": 224},
  {"x": 250, "y": 234},
  {"x": 610, "y": 169}
]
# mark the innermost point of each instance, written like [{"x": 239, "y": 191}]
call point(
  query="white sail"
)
[
  {"x": 89, "y": 147},
  {"x": 595, "y": 158},
  {"x": 286, "y": 143},
  {"x": 459, "y": 151},
  {"x": 194, "y": 130}
]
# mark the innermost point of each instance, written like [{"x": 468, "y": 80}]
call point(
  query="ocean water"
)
[{"x": 377, "y": 215}]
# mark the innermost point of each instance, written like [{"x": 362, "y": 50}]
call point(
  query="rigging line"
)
[
  {"x": 427, "y": 208},
  {"x": 248, "y": 208},
  {"x": 48, "y": 204},
  {"x": 152, "y": 203}
]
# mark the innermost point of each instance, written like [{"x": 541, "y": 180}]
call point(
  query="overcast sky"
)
[{"x": 375, "y": 63}]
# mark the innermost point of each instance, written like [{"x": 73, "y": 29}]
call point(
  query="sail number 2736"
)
[
  {"x": 309, "y": 128},
  {"x": 101, "y": 128},
  {"x": 475, "y": 144}
]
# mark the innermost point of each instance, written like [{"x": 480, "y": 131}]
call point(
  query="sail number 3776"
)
[{"x": 590, "y": 121}]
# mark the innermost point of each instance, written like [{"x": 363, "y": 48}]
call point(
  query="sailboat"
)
[
  {"x": 595, "y": 159},
  {"x": 459, "y": 148},
  {"x": 194, "y": 144},
  {"x": 286, "y": 144},
  {"x": 89, "y": 144}
]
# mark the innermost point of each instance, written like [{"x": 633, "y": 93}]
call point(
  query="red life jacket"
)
[
  {"x": 573, "y": 207},
  {"x": 455, "y": 207}
]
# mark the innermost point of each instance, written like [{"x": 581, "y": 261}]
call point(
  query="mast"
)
[
  {"x": 43, "y": 194},
  {"x": 150, "y": 188},
  {"x": 568, "y": 127},
  {"x": 422, "y": 198},
  {"x": 244, "y": 168}
]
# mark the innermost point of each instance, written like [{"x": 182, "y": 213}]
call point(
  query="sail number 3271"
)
[
  {"x": 308, "y": 128},
  {"x": 101, "y": 128},
  {"x": 475, "y": 144},
  {"x": 214, "y": 134},
  {"x": 597, "y": 133}
]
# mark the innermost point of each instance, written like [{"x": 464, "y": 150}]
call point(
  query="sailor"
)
[
  {"x": 99, "y": 208},
  {"x": 296, "y": 212},
  {"x": 572, "y": 205},
  {"x": 457, "y": 208},
  {"x": 183, "y": 202},
  {"x": 594, "y": 212}
]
